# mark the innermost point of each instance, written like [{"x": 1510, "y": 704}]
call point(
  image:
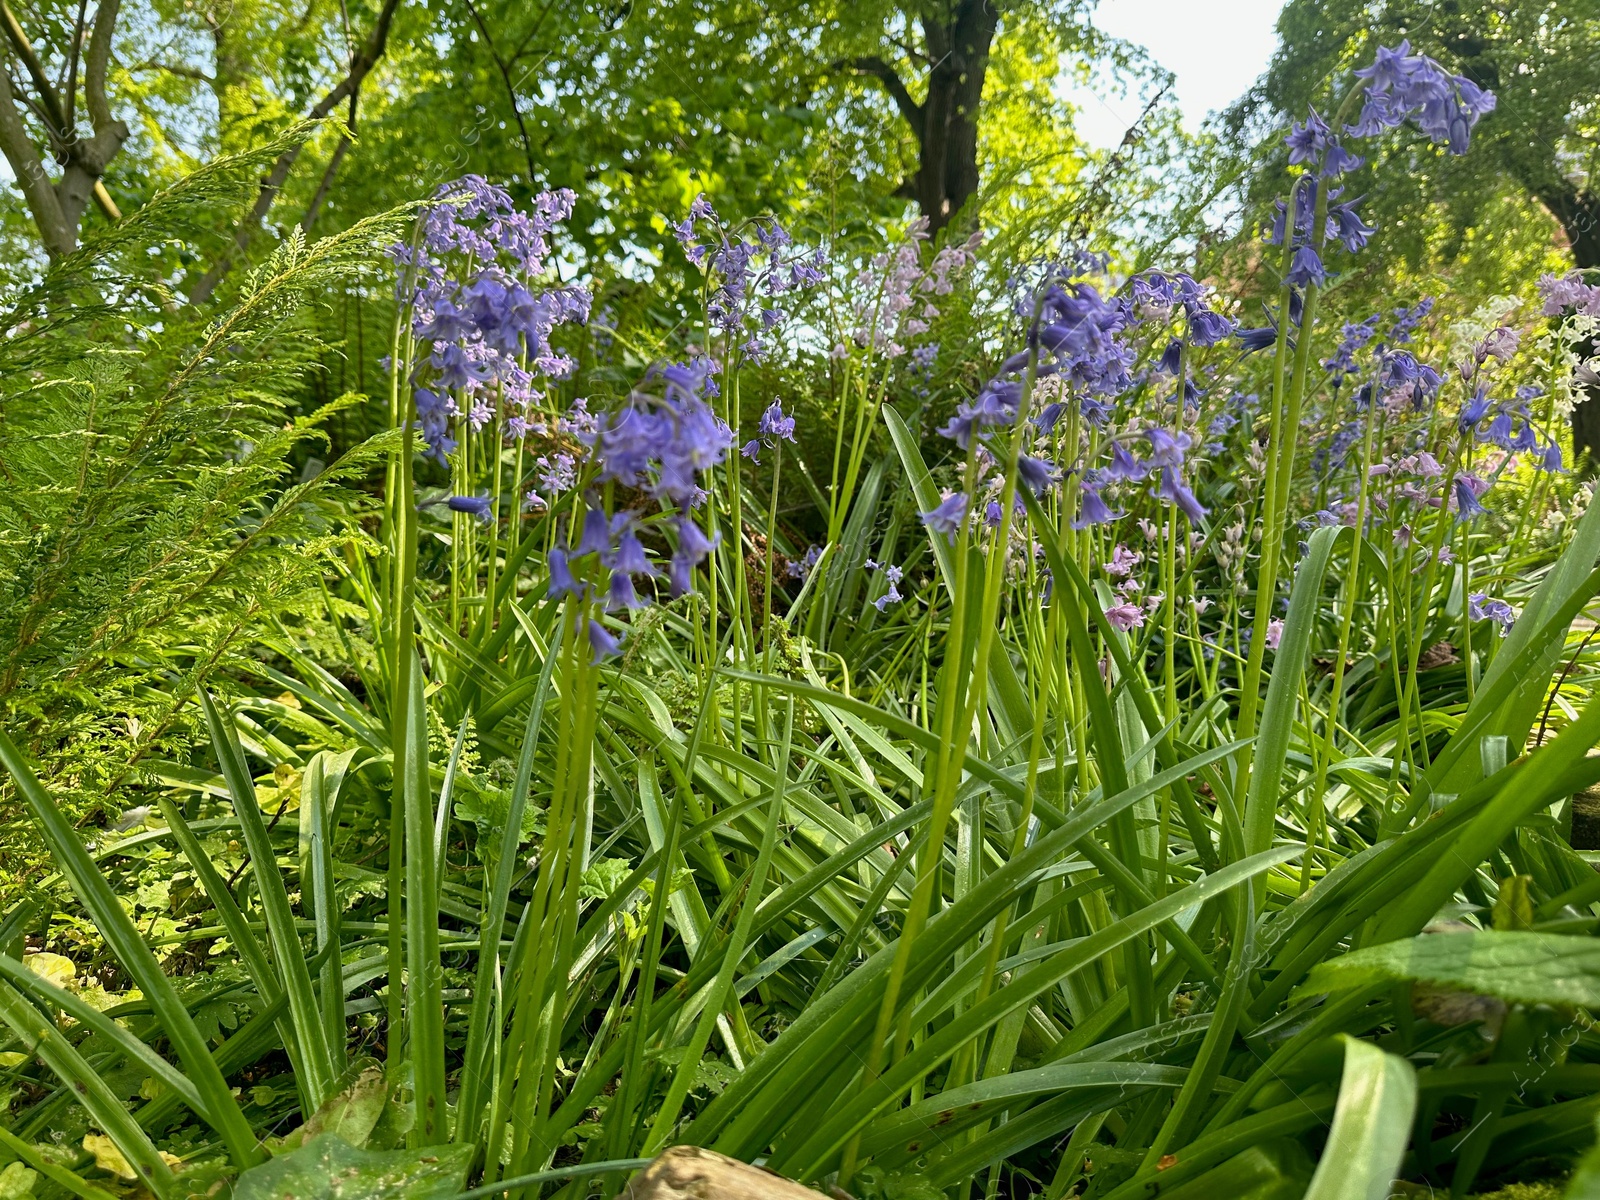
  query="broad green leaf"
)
[
  {"x": 353, "y": 1113},
  {"x": 1585, "y": 1181},
  {"x": 328, "y": 1168},
  {"x": 1525, "y": 968},
  {"x": 1371, "y": 1126}
]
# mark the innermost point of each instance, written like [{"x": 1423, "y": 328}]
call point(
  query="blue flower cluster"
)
[
  {"x": 751, "y": 275},
  {"x": 1400, "y": 87},
  {"x": 488, "y": 336}
]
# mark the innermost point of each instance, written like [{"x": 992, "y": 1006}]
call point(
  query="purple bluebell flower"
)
[
  {"x": 1346, "y": 225},
  {"x": 1123, "y": 465},
  {"x": 629, "y": 555},
  {"x": 1037, "y": 474},
  {"x": 1251, "y": 340},
  {"x": 892, "y": 596},
  {"x": 1498, "y": 431},
  {"x": 1207, "y": 328},
  {"x": 1046, "y": 419},
  {"x": 604, "y": 644},
  {"x": 478, "y": 506},
  {"x": 1467, "y": 490},
  {"x": 620, "y": 593},
  {"x": 1092, "y": 509},
  {"x": 1172, "y": 489},
  {"x": 1307, "y": 140},
  {"x": 1474, "y": 410},
  {"x": 1124, "y": 616},
  {"x": 1306, "y": 270},
  {"x": 596, "y": 537},
  {"x": 1481, "y": 608},
  {"x": 949, "y": 515},
  {"x": 1338, "y": 161},
  {"x": 1166, "y": 449},
  {"x": 561, "y": 581},
  {"x": 775, "y": 425},
  {"x": 1170, "y": 358},
  {"x": 1551, "y": 459}
]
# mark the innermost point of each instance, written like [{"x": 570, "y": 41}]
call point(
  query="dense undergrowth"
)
[{"x": 1080, "y": 742}]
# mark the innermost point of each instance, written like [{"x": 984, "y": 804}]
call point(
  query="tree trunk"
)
[
  {"x": 1579, "y": 214},
  {"x": 947, "y": 175}
]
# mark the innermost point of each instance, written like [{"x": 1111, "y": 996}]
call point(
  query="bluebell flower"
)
[
  {"x": 1466, "y": 493},
  {"x": 620, "y": 593},
  {"x": 629, "y": 555},
  {"x": 693, "y": 544},
  {"x": 1481, "y": 608},
  {"x": 948, "y": 517},
  {"x": 774, "y": 424},
  {"x": 1207, "y": 328},
  {"x": 596, "y": 538},
  {"x": 561, "y": 581},
  {"x": 478, "y": 506},
  {"x": 1046, "y": 419},
  {"x": 1346, "y": 225},
  {"x": 751, "y": 449},
  {"x": 602, "y": 642},
  {"x": 1497, "y": 431},
  {"x": 1170, "y": 358},
  {"x": 1166, "y": 449},
  {"x": 1305, "y": 269},
  {"x": 1172, "y": 489},
  {"x": 1525, "y": 440},
  {"x": 1251, "y": 340},
  {"x": 1338, "y": 161},
  {"x": 1474, "y": 410},
  {"x": 1307, "y": 140},
  {"x": 1123, "y": 465},
  {"x": 1092, "y": 509},
  {"x": 1551, "y": 461},
  {"x": 1036, "y": 474},
  {"x": 892, "y": 596}
]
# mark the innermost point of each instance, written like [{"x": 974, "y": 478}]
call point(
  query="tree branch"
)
[
  {"x": 23, "y": 156},
  {"x": 870, "y": 64},
  {"x": 361, "y": 64},
  {"x": 511, "y": 91},
  {"x": 326, "y": 185},
  {"x": 49, "y": 102}
]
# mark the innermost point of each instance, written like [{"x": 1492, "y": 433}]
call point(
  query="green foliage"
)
[{"x": 162, "y": 516}]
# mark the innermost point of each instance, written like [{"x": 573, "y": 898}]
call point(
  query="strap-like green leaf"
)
[
  {"x": 1371, "y": 1126},
  {"x": 1525, "y": 968}
]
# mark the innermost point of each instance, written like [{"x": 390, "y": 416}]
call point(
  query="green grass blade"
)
[
  {"x": 319, "y": 790},
  {"x": 95, "y": 893},
  {"x": 105, "y": 1108},
  {"x": 1371, "y": 1126},
  {"x": 99, "y": 1023},
  {"x": 424, "y": 972},
  {"x": 1283, "y": 693},
  {"x": 287, "y": 951},
  {"x": 476, "y": 1074}
]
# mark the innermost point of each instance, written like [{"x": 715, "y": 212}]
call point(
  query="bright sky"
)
[{"x": 1215, "y": 48}]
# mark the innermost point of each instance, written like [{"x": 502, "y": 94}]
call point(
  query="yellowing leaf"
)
[
  {"x": 107, "y": 1157},
  {"x": 11, "y": 1058},
  {"x": 52, "y": 968}
]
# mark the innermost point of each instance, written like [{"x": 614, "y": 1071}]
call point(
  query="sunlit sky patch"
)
[{"x": 1215, "y": 48}]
